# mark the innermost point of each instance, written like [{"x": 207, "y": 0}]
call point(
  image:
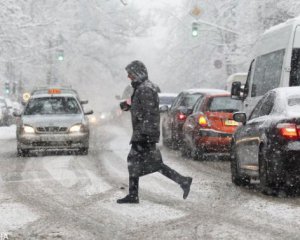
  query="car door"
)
[
  {"x": 252, "y": 134},
  {"x": 169, "y": 117},
  {"x": 190, "y": 126}
]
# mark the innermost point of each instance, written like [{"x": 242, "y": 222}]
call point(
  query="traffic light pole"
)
[{"x": 199, "y": 22}]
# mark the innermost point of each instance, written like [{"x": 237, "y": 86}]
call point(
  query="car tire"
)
[
  {"x": 22, "y": 152},
  {"x": 197, "y": 153},
  {"x": 165, "y": 141},
  {"x": 236, "y": 177},
  {"x": 83, "y": 151},
  {"x": 185, "y": 150},
  {"x": 267, "y": 186}
]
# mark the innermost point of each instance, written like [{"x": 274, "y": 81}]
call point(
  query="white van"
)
[{"x": 276, "y": 63}]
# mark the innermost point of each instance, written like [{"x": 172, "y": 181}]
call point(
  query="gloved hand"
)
[{"x": 124, "y": 106}]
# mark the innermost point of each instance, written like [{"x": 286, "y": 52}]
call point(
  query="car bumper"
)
[
  {"x": 53, "y": 141},
  {"x": 213, "y": 141},
  {"x": 284, "y": 164}
]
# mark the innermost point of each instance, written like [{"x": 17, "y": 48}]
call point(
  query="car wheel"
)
[
  {"x": 236, "y": 177},
  {"x": 83, "y": 151},
  {"x": 185, "y": 150},
  {"x": 22, "y": 152},
  {"x": 197, "y": 153},
  {"x": 266, "y": 185},
  {"x": 164, "y": 138}
]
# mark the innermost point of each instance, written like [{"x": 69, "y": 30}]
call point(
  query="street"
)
[{"x": 64, "y": 196}]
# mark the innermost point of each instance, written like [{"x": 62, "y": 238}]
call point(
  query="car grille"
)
[{"x": 51, "y": 129}]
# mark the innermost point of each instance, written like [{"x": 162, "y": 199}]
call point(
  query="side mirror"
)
[
  {"x": 89, "y": 112},
  {"x": 84, "y": 102},
  {"x": 236, "y": 90},
  {"x": 240, "y": 117},
  {"x": 164, "y": 108},
  {"x": 118, "y": 97}
]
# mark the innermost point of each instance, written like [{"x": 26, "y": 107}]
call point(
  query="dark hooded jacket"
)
[
  {"x": 144, "y": 157},
  {"x": 144, "y": 105},
  {"x": 145, "y": 113}
]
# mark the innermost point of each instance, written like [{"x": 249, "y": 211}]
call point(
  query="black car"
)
[
  {"x": 180, "y": 109},
  {"x": 267, "y": 145}
]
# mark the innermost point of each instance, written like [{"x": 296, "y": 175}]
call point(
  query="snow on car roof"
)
[
  {"x": 290, "y": 21},
  {"x": 204, "y": 90}
]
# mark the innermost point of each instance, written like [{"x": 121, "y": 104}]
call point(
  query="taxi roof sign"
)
[{"x": 54, "y": 91}]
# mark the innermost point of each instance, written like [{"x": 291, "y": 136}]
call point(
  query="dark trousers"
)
[{"x": 165, "y": 170}]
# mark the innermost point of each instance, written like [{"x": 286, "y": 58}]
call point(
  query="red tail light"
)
[
  {"x": 181, "y": 116},
  {"x": 289, "y": 130},
  {"x": 202, "y": 120}
]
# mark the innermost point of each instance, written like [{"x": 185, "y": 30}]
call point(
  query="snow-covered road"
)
[{"x": 48, "y": 196}]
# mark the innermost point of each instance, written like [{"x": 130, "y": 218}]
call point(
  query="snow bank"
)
[{"x": 8, "y": 132}]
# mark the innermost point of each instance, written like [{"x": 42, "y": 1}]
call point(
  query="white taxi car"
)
[{"x": 53, "y": 120}]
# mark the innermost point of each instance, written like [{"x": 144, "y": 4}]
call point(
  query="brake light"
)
[
  {"x": 203, "y": 122},
  {"x": 289, "y": 131},
  {"x": 181, "y": 116}
]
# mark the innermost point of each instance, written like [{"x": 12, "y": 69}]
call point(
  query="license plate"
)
[{"x": 231, "y": 123}]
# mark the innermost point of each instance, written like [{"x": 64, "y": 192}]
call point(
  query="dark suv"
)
[{"x": 181, "y": 108}]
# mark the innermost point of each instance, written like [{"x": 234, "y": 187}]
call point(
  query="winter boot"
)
[
  {"x": 129, "y": 199},
  {"x": 186, "y": 185}
]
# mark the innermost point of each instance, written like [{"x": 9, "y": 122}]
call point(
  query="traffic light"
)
[
  {"x": 7, "y": 88},
  {"x": 14, "y": 88},
  {"x": 195, "y": 29},
  {"x": 60, "y": 55}
]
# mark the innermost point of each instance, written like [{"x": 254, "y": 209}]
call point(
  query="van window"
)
[
  {"x": 267, "y": 73},
  {"x": 295, "y": 68}
]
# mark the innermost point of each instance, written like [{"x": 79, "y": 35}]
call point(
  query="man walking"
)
[{"x": 144, "y": 157}]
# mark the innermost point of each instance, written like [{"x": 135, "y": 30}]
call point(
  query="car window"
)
[
  {"x": 224, "y": 104},
  {"x": 267, "y": 105},
  {"x": 189, "y": 100},
  {"x": 199, "y": 103},
  {"x": 255, "y": 111},
  {"x": 176, "y": 101},
  {"x": 267, "y": 72},
  {"x": 294, "y": 101},
  {"x": 52, "y": 105}
]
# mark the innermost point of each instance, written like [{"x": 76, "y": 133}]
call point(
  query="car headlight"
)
[
  {"x": 76, "y": 128},
  {"x": 28, "y": 129},
  {"x": 92, "y": 119}
]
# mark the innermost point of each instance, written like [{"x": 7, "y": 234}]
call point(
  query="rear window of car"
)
[
  {"x": 294, "y": 101},
  {"x": 52, "y": 105},
  {"x": 224, "y": 104}
]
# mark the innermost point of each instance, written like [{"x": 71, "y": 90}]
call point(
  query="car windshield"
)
[
  {"x": 52, "y": 105},
  {"x": 190, "y": 99},
  {"x": 224, "y": 104},
  {"x": 166, "y": 100}
]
